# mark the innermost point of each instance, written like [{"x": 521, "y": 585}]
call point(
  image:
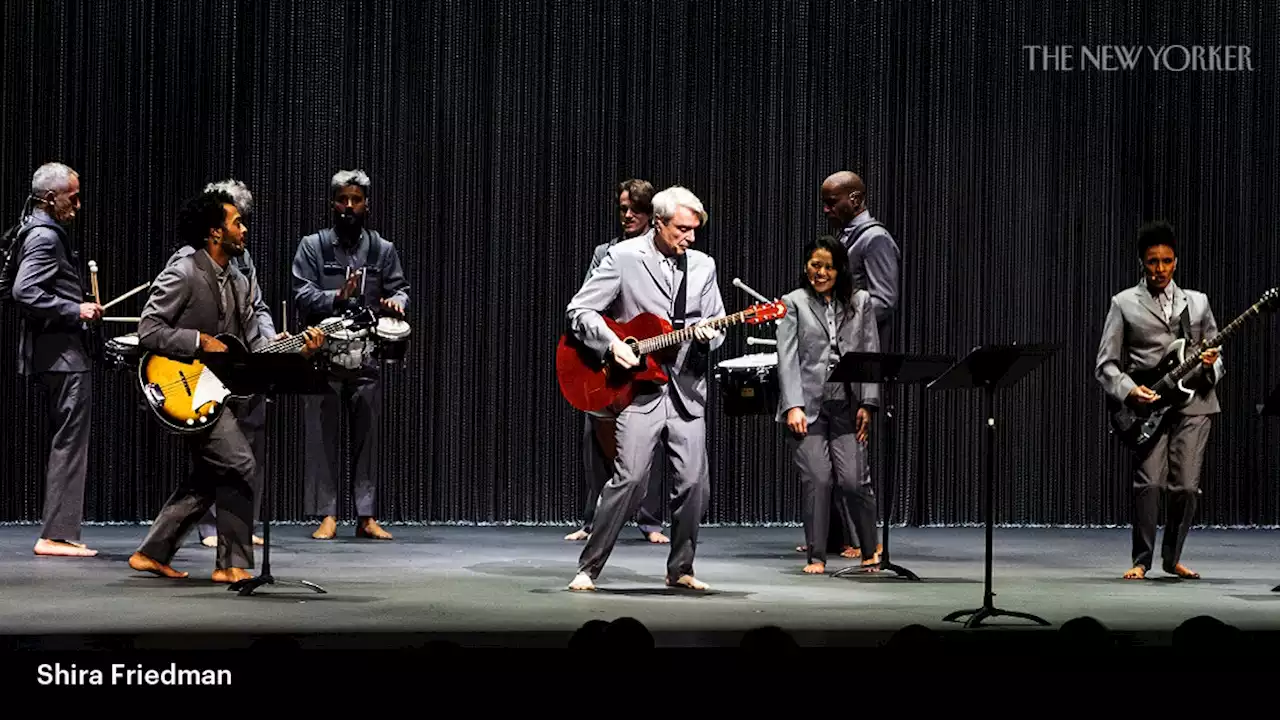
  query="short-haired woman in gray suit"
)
[{"x": 827, "y": 318}]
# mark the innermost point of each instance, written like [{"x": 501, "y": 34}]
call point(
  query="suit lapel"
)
[
  {"x": 819, "y": 312},
  {"x": 653, "y": 263},
  {"x": 1179, "y": 304},
  {"x": 205, "y": 263},
  {"x": 1148, "y": 302}
]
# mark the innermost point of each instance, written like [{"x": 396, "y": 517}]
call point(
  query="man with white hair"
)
[
  {"x": 252, "y": 414},
  {"x": 655, "y": 273},
  {"x": 49, "y": 292},
  {"x": 344, "y": 267}
]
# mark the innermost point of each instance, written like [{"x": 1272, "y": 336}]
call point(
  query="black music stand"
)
[
  {"x": 1271, "y": 408},
  {"x": 268, "y": 374},
  {"x": 892, "y": 369},
  {"x": 989, "y": 367}
]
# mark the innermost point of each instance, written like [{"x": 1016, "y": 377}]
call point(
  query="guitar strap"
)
[
  {"x": 677, "y": 318},
  {"x": 1184, "y": 323}
]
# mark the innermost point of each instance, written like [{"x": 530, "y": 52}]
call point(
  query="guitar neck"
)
[
  {"x": 1216, "y": 341},
  {"x": 296, "y": 343},
  {"x": 676, "y": 337}
]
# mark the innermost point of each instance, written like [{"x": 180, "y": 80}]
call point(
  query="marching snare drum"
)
[
  {"x": 123, "y": 351},
  {"x": 749, "y": 384},
  {"x": 393, "y": 339}
]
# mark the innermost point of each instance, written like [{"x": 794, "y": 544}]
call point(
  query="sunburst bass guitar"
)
[{"x": 186, "y": 396}]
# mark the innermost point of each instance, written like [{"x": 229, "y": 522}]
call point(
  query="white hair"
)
[
  {"x": 51, "y": 177},
  {"x": 343, "y": 178},
  {"x": 238, "y": 191},
  {"x": 667, "y": 202}
]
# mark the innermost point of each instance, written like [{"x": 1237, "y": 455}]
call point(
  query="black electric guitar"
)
[{"x": 1135, "y": 423}]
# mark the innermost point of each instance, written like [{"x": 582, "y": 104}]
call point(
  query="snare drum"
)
[
  {"x": 749, "y": 384},
  {"x": 123, "y": 351},
  {"x": 393, "y": 339}
]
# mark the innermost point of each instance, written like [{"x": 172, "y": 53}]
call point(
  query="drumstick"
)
[
  {"x": 760, "y": 341},
  {"x": 131, "y": 293},
  {"x": 93, "y": 277},
  {"x": 121, "y": 319}
]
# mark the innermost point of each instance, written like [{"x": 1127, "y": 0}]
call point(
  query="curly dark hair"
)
[
  {"x": 202, "y": 214},
  {"x": 843, "y": 290},
  {"x": 1155, "y": 233}
]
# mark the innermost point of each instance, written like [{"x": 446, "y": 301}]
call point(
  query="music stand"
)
[
  {"x": 989, "y": 367},
  {"x": 267, "y": 374},
  {"x": 892, "y": 369},
  {"x": 1271, "y": 408}
]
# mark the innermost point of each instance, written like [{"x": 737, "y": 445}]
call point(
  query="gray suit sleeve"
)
[
  {"x": 1209, "y": 328},
  {"x": 593, "y": 298},
  {"x": 713, "y": 301},
  {"x": 870, "y": 342},
  {"x": 170, "y": 293},
  {"x": 262, "y": 313},
  {"x": 881, "y": 264},
  {"x": 1109, "y": 367},
  {"x": 596, "y": 257},
  {"x": 393, "y": 279},
  {"x": 308, "y": 297},
  {"x": 790, "y": 385},
  {"x": 37, "y": 267}
]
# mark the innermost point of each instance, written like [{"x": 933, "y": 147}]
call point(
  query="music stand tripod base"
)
[{"x": 247, "y": 587}]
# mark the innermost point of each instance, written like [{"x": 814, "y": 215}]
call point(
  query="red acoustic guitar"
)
[{"x": 589, "y": 383}]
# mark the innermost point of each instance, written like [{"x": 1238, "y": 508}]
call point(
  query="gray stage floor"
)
[{"x": 505, "y": 586}]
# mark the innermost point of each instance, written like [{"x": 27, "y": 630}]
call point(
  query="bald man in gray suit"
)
[
  {"x": 646, "y": 275},
  {"x": 1141, "y": 324}
]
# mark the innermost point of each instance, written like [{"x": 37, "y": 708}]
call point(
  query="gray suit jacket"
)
[
  {"x": 629, "y": 281},
  {"x": 48, "y": 290},
  {"x": 185, "y": 300},
  {"x": 1136, "y": 336},
  {"x": 244, "y": 264},
  {"x": 804, "y": 352},
  {"x": 874, "y": 262}
]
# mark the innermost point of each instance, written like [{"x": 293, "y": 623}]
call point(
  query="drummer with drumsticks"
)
[
  {"x": 829, "y": 423},
  {"x": 344, "y": 267}
]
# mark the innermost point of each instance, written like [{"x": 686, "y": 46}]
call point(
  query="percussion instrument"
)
[
  {"x": 392, "y": 339},
  {"x": 749, "y": 384},
  {"x": 123, "y": 351}
]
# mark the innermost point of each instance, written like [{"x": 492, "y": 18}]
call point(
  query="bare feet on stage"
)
[
  {"x": 1183, "y": 572},
  {"x": 230, "y": 575},
  {"x": 1136, "y": 573},
  {"x": 577, "y": 535},
  {"x": 62, "y": 548},
  {"x": 581, "y": 582},
  {"x": 689, "y": 582},
  {"x": 366, "y": 527},
  {"x": 658, "y": 538},
  {"x": 815, "y": 568},
  {"x": 212, "y": 541},
  {"x": 847, "y": 552},
  {"x": 142, "y": 563}
]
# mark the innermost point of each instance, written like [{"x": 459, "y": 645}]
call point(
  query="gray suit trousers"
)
[
  {"x": 252, "y": 417},
  {"x": 830, "y": 454},
  {"x": 1173, "y": 462},
  {"x": 70, "y": 397},
  {"x": 599, "y": 468},
  {"x": 638, "y": 433},
  {"x": 363, "y": 398},
  {"x": 221, "y": 466}
]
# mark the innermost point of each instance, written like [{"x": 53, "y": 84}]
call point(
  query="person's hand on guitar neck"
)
[
  {"x": 623, "y": 355},
  {"x": 1143, "y": 395},
  {"x": 1209, "y": 357},
  {"x": 314, "y": 339}
]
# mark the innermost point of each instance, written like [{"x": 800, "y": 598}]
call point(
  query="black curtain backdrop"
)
[{"x": 496, "y": 132}]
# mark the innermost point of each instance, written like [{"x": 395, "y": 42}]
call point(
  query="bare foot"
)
[
  {"x": 257, "y": 540},
  {"x": 577, "y": 535},
  {"x": 688, "y": 581},
  {"x": 1136, "y": 573},
  {"x": 816, "y": 568},
  {"x": 142, "y": 563},
  {"x": 62, "y": 548},
  {"x": 211, "y": 541},
  {"x": 328, "y": 528},
  {"x": 870, "y": 566},
  {"x": 230, "y": 575},
  {"x": 802, "y": 548},
  {"x": 658, "y": 538},
  {"x": 369, "y": 528},
  {"x": 851, "y": 552},
  {"x": 582, "y": 581},
  {"x": 1183, "y": 571}
]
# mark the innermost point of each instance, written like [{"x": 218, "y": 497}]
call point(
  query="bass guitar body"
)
[
  {"x": 184, "y": 394},
  {"x": 1136, "y": 424}
]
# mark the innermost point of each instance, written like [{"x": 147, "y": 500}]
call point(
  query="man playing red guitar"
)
[{"x": 660, "y": 275}]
